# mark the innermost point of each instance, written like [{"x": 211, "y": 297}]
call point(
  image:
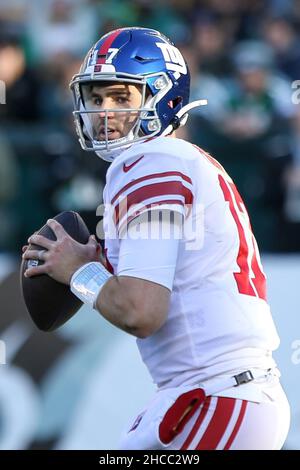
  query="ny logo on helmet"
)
[{"x": 173, "y": 58}]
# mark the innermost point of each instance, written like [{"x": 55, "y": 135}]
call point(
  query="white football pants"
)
[{"x": 195, "y": 422}]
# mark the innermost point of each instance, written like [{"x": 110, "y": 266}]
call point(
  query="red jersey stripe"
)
[
  {"x": 237, "y": 425},
  {"x": 172, "y": 188},
  {"x": 147, "y": 177}
]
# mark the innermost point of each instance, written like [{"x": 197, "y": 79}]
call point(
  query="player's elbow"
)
[
  {"x": 144, "y": 327},
  {"x": 148, "y": 329},
  {"x": 143, "y": 319},
  {"x": 147, "y": 306},
  {"x": 137, "y": 306}
]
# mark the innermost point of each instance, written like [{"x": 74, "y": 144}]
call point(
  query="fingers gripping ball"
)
[{"x": 50, "y": 303}]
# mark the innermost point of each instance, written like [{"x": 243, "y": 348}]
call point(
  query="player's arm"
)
[
  {"x": 134, "y": 305},
  {"x": 137, "y": 299}
]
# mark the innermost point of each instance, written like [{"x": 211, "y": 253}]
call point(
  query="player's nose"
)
[{"x": 106, "y": 108}]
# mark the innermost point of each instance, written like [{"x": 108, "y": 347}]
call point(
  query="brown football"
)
[{"x": 50, "y": 303}]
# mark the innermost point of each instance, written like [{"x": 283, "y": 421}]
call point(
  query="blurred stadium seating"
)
[{"x": 244, "y": 58}]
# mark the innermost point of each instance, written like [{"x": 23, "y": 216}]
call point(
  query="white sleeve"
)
[
  {"x": 146, "y": 187},
  {"x": 149, "y": 258}
]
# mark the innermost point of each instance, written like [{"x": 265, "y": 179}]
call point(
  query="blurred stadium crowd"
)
[{"x": 244, "y": 57}]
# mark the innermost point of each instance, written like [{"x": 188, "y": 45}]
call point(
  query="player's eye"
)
[
  {"x": 97, "y": 101},
  {"x": 121, "y": 99}
]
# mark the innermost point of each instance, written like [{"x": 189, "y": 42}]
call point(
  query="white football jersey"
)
[{"x": 219, "y": 320}]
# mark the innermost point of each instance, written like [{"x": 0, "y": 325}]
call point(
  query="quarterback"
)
[{"x": 195, "y": 299}]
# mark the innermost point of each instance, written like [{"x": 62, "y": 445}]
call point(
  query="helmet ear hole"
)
[
  {"x": 148, "y": 93},
  {"x": 175, "y": 102}
]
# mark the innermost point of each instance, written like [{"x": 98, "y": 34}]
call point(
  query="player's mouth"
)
[{"x": 112, "y": 134}]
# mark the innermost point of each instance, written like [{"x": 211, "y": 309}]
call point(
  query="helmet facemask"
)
[{"x": 93, "y": 125}]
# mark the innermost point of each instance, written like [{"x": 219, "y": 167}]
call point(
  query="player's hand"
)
[
  {"x": 61, "y": 257},
  {"x": 25, "y": 247}
]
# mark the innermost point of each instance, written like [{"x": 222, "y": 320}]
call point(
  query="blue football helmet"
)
[{"x": 137, "y": 56}]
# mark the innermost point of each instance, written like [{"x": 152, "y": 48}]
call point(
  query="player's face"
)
[{"x": 112, "y": 97}]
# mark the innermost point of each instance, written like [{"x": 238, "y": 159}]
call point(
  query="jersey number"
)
[{"x": 251, "y": 279}]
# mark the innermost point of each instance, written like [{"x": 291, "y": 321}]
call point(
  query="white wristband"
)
[{"x": 87, "y": 282}]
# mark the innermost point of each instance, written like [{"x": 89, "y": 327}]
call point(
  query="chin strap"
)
[{"x": 181, "y": 117}]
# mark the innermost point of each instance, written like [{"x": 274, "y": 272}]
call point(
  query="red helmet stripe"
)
[{"x": 106, "y": 45}]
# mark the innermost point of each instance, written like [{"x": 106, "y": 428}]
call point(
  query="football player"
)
[{"x": 182, "y": 271}]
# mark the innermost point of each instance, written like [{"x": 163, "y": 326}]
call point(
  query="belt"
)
[{"x": 214, "y": 386}]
